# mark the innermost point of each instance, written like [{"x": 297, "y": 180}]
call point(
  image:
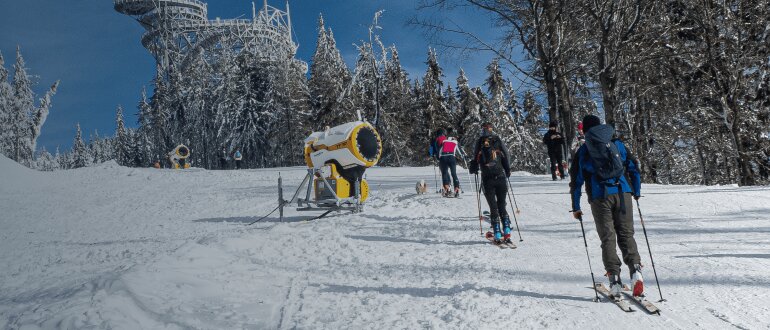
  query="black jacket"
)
[
  {"x": 497, "y": 144},
  {"x": 554, "y": 141}
]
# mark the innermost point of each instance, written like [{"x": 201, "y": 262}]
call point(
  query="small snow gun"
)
[{"x": 178, "y": 157}]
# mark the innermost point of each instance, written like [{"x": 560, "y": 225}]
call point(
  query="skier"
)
[
  {"x": 554, "y": 141},
  {"x": 223, "y": 159},
  {"x": 238, "y": 158},
  {"x": 603, "y": 163},
  {"x": 491, "y": 156},
  {"x": 447, "y": 149}
]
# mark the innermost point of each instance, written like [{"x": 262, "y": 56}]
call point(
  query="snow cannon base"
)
[{"x": 340, "y": 187}]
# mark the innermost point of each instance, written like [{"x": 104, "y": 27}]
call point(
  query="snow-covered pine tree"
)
[
  {"x": 296, "y": 116},
  {"x": 21, "y": 103},
  {"x": 80, "y": 156},
  {"x": 160, "y": 104},
  {"x": 329, "y": 77},
  {"x": 500, "y": 116},
  {"x": 436, "y": 115},
  {"x": 122, "y": 141},
  {"x": 143, "y": 140},
  {"x": 23, "y": 121},
  {"x": 452, "y": 106},
  {"x": 395, "y": 115},
  {"x": 5, "y": 110},
  {"x": 533, "y": 156},
  {"x": 418, "y": 141},
  {"x": 46, "y": 162},
  {"x": 200, "y": 92},
  {"x": 469, "y": 116},
  {"x": 364, "y": 91}
]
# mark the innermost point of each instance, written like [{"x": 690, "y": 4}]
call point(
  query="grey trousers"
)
[{"x": 616, "y": 228}]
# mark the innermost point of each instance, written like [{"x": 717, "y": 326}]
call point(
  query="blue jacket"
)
[{"x": 583, "y": 168}]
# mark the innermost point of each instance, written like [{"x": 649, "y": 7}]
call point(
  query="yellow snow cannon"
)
[
  {"x": 336, "y": 159},
  {"x": 340, "y": 155},
  {"x": 178, "y": 157}
]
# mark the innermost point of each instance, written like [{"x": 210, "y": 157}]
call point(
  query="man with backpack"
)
[
  {"x": 490, "y": 156},
  {"x": 447, "y": 162},
  {"x": 604, "y": 164},
  {"x": 238, "y": 157},
  {"x": 554, "y": 140}
]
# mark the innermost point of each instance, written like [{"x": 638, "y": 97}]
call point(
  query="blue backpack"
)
[{"x": 605, "y": 156}]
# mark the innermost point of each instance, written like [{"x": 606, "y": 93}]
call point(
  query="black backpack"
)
[
  {"x": 490, "y": 155},
  {"x": 605, "y": 156}
]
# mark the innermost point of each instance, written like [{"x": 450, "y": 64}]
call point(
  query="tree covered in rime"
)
[
  {"x": 532, "y": 152},
  {"x": 329, "y": 78},
  {"x": 46, "y": 162},
  {"x": 396, "y": 117},
  {"x": 143, "y": 141},
  {"x": 161, "y": 104},
  {"x": 499, "y": 113},
  {"x": 6, "y": 94},
  {"x": 80, "y": 156},
  {"x": 435, "y": 113},
  {"x": 468, "y": 114},
  {"x": 122, "y": 141},
  {"x": 21, "y": 120}
]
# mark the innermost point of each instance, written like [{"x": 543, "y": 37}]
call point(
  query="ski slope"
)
[{"x": 115, "y": 247}]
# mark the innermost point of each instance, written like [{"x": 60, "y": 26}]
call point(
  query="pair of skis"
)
[
  {"x": 491, "y": 237},
  {"x": 623, "y": 304},
  {"x": 503, "y": 245}
]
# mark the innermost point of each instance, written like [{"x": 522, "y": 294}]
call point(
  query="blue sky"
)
[{"x": 97, "y": 54}]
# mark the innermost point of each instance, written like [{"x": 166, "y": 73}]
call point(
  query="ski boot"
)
[
  {"x": 616, "y": 287},
  {"x": 637, "y": 281},
  {"x": 496, "y": 229},
  {"x": 507, "y": 229},
  {"x": 445, "y": 191},
  {"x": 457, "y": 192}
]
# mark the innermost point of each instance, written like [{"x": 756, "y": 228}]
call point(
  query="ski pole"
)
[
  {"x": 649, "y": 250},
  {"x": 465, "y": 160},
  {"x": 478, "y": 202},
  {"x": 514, "y": 216},
  {"x": 580, "y": 218},
  {"x": 510, "y": 189},
  {"x": 435, "y": 176}
]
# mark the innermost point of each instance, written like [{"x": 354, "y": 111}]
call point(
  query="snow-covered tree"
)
[
  {"x": 436, "y": 115},
  {"x": 6, "y": 147},
  {"x": 329, "y": 78},
  {"x": 46, "y": 162},
  {"x": 122, "y": 141},
  {"x": 469, "y": 114},
  {"x": 144, "y": 140},
  {"x": 499, "y": 114},
  {"x": 396, "y": 117},
  {"x": 531, "y": 152},
  {"x": 80, "y": 156},
  {"x": 20, "y": 119}
]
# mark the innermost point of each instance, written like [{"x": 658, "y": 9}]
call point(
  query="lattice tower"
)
[{"x": 176, "y": 28}]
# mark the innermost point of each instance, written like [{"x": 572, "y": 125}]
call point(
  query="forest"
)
[{"x": 685, "y": 83}]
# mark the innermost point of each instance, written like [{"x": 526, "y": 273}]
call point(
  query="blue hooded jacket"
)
[{"x": 585, "y": 167}]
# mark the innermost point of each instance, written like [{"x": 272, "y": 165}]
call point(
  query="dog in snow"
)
[{"x": 421, "y": 187}]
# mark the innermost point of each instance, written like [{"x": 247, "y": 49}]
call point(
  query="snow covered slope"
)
[{"x": 113, "y": 247}]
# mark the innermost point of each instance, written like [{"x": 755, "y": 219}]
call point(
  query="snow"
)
[{"x": 116, "y": 247}]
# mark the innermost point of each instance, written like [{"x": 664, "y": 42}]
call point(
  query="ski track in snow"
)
[{"x": 114, "y": 247}]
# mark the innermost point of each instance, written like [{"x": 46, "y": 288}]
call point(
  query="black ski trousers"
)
[
  {"x": 448, "y": 164},
  {"x": 556, "y": 162},
  {"x": 495, "y": 191}
]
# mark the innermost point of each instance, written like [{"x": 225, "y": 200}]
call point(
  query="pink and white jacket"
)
[{"x": 447, "y": 145}]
